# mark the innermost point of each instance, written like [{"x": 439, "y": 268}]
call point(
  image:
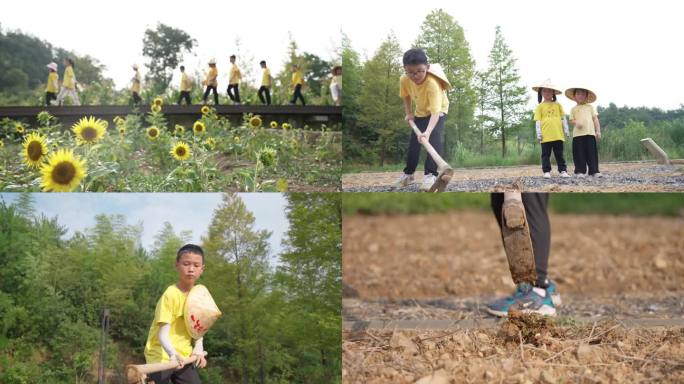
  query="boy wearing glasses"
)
[{"x": 427, "y": 88}]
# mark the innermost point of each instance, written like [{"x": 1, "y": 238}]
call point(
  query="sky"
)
[
  {"x": 112, "y": 31},
  {"x": 185, "y": 211},
  {"x": 628, "y": 52}
]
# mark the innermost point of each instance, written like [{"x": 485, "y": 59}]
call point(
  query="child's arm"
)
[
  {"x": 565, "y": 127},
  {"x": 165, "y": 342},
  {"x": 408, "y": 109},
  {"x": 198, "y": 350},
  {"x": 434, "y": 119},
  {"x": 597, "y": 127},
  {"x": 537, "y": 127}
]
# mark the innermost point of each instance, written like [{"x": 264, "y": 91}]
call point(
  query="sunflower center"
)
[
  {"x": 180, "y": 151},
  {"x": 63, "y": 173},
  {"x": 89, "y": 134},
  {"x": 153, "y": 133},
  {"x": 34, "y": 150}
]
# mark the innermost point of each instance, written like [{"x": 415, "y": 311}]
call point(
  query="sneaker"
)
[
  {"x": 428, "y": 180},
  {"x": 564, "y": 174},
  {"x": 547, "y": 175},
  {"x": 581, "y": 175},
  {"x": 404, "y": 181},
  {"x": 500, "y": 307},
  {"x": 597, "y": 174},
  {"x": 533, "y": 302}
]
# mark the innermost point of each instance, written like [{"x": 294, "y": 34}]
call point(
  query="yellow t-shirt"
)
[
  {"x": 52, "y": 82},
  {"x": 429, "y": 96},
  {"x": 583, "y": 114},
  {"x": 551, "y": 115},
  {"x": 186, "y": 84},
  {"x": 297, "y": 78},
  {"x": 135, "y": 83},
  {"x": 266, "y": 78},
  {"x": 212, "y": 77},
  {"x": 235, "y": 75},
  {"x": 169, "y": 310},
  {"x": 337, "y": 80},
  {"x": 69, "y": 78}
]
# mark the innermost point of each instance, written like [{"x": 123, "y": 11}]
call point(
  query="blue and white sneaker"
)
[
  {"x": 500, "y": 307},
  {"x": 535, "y": 300}
]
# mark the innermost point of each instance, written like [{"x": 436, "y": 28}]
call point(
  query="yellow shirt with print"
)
[
  {"x": 52, "y": 82},
  {"x": 212, "y": 77},
  {"x": 69, "y": 78},
  {"x": 235, "y": 75},
  {"x": 135, "y": 83},
  {"x": 337, "y": 80},
  {"x": 583, "y": 115},
  {"x": 266, "y": 78},
  {"x": 550, "y": 114},
  {"x": 169, "y": 311},
  {"x": 186, "y": 84},
  {"x": 297, "y": 78},
  {"x": 429, "y": 96}
]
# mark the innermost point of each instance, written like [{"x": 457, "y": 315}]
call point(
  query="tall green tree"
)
[
  {"x": 445, "y": 43},
  {"x": 509, "y": 97},
  {"x": 380, "y": 106},
  {"x": 237, "y": 258},
  {"x": 164, "y": 47},
  {"x": 309, "y": 275},
  {"x": 483, "y": 122},
  {"x": 354, "y": 137}
]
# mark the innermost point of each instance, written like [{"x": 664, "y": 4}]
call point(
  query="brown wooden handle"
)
[
  {"x": 138, "y": 373},
  {"x": 441, "y": 164}
]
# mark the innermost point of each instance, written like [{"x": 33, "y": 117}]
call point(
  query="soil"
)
[
  {"x": 617, "y": 177},
  {"x": 448, "y": 266}
]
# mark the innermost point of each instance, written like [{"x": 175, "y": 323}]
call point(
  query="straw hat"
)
[
  {"x": 547, "y": 84},
  {"x": 52, "y": 66},
  {"x": 135, "y": 66},
  {"x": 200, "y": 311},
  {"x": 570, "y": 94},
  {"x": 437, "y": 71},
  {"x": 212, "y": 61}
]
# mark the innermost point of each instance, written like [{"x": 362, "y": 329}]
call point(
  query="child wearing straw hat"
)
[
  {"x": 169, "y": 338},
  {"x": 69, "y": 84},
  {"x": 426, "y": 84},
  {"x": 586, "y": 132},
  {"x": 211, "y": 82},
  {"x": 135, "y": 86},
  {"x": 550, "y": 124},
  {"x": 52, "y": 84}
]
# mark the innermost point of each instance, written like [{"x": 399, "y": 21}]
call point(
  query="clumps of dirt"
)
[{"x": 526, "y": 328}]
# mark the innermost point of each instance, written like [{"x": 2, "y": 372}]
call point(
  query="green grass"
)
[{"x": 636, "y": 204}]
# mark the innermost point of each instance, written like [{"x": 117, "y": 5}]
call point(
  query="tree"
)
[
  {"x": 509, "y": 99},
  {"x": 309, "y": 275},
  {"x": 444, "y": 42},
  {"x": 380, "y": 106},
  {"x": 164, "y": 47},
  {"x": 483, "y": 90}
]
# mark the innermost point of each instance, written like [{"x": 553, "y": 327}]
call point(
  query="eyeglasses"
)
[{"x": 414, "y": 74}]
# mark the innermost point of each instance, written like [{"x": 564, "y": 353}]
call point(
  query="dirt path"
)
[{"x": 618, "y": 177}]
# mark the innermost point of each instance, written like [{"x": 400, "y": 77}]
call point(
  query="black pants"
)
[
  {"x": 185, "y": 375},
  {"x": 557, "y": 147},
  {"x": 263, "y": 90},
  {"x": 540, "y": 228},
  {"x": 414, "y": 146},
  {"x": 585, "y": 154},
  {"x": 234, "y": 96},
  {"x": 49, "y": 96},
  {"x": 184, "y": 95},
  {"x": 297, "y": 94},
  {"x": 206, "y": 93},
  {"x": 136, "y": 98}
]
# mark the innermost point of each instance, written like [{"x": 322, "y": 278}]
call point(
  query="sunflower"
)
[
  {"x": 179, "y": 129},
  {"x": 2, "y": 144},
  {"x": 286, "y": 126},
  {"x": 158, "y": 101},
  {"x": 62, "y": 172},
  {"x": 122, "y": 130},
  {"x": 152, "y": 133},
  {"x": 19, "y": 128},
  {"x": 211, "y": 142},
  {"x": 274, "y": 124},
  {"x": 255, "y": 122},
  {"x": 89, "y": 130},
  {"x": 281, "y": 185},
  {"x": 155, "y": 108},
  {"x": 267, "y": 156},
  {"x": 118, "y": 120},
  {"x": 35, "y": 149},
  {"x": 44, "y": 117},
  {"x": 180, "y": 151},
  {"x": 205, "y": 109},
  {"x": 236, "y": 139},
  {"x": 198, "y": 127}
]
